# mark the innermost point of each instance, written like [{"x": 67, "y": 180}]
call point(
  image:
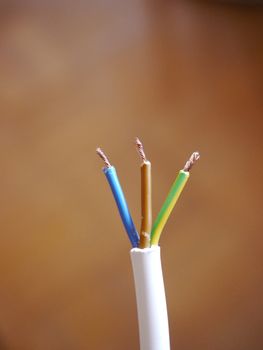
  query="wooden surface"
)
[{"x": 183, "y": 76}]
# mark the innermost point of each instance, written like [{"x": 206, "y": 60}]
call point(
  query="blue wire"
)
[{"x": 120, "y": 200}]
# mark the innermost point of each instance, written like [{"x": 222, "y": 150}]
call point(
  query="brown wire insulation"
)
[{"x": 146, "y": 204}]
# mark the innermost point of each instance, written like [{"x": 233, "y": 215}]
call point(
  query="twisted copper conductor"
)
[
  {"x": 103, "y": 156},
  {"x": 140, "y": 149},
  {"x": 194, "y": 157}
]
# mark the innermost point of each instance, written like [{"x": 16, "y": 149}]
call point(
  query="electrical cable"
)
[
  {"x": 150, "y": 298},
  {"x": 120, "y": 200},
  {"x": 172, "y": 198},
  {"x": 146, "y": 197},
  {"x": 146, "y": 260}
]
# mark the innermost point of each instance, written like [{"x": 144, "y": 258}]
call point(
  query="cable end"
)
[
  {"x": 103, "y": 156},
  {"x": 191, "y": 161},
  {"x": 140, "y": 149}
]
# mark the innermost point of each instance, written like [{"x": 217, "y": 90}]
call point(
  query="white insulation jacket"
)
[{"x": 150, "y": 297}]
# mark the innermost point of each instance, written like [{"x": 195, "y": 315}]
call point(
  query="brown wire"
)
[
  {"x": 146, "y": 198},
  {"x": 146, "y": 205}
]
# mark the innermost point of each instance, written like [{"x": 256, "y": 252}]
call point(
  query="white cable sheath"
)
[{"x": 150, "y": 297}]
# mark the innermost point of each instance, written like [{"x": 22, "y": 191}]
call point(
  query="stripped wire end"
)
[
  {"x": 191, "y": 161},
  {"x": 102, "y": 155},
  {"x": 140, "y": 149}
]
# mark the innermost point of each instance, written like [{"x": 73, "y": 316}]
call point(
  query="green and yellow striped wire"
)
[{"x": 173, "y": 196}]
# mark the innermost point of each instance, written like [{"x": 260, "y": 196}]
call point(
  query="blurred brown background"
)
[{"x": 181, "y": 75}]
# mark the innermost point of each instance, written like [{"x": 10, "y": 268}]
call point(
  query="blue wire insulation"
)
[{"x": 120, "y": 200}]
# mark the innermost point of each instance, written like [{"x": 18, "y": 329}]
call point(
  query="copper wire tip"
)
[
  {"x": 140, "y": 149},
  {"x": 103, "y": 156},
  {"x": 194, "y": 157}
]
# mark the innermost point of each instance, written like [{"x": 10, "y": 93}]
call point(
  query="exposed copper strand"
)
[
  {"x": 140, "y": 149},
  {"x": 102, "y": 155},
  {"x": 194, "y": 157}
]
